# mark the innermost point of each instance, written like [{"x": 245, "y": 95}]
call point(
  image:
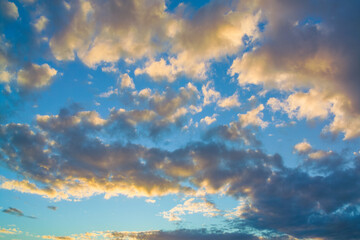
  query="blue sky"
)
[{"x": 179, "y": 120}]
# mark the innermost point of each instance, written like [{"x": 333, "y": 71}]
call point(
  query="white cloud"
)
[
  {"x": 208, "y": 209},
  {"x": 253, "y": 117},
  {"x": 126, "y": 81},
  {"x": 9, "y": 9},
  {"x": 303, "y": 147},
  {"x": 229, "y": 102},
  {"x": 319, "y": 154},
  {"x": 209, "y": 120},
  {"x": 158, "y": 70},
  {"x": 35, "y": 76},
  {"x": 41, "y": 23},
  {"x": 210, "y": 94}
]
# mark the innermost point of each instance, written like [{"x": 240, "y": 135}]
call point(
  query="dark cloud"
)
[
  {"x": 69, "y": 151},
  {"x": 196, "y": 234},
  {"x": 54, "y": 208},
  {"x": 16, "y": 212}
]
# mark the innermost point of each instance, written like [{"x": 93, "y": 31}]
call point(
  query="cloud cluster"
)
[
  {"x": 63, "y": 160},
  {"x": 96, "y": 33},
  {"x": 190, "y": 207},
  {"x": 196, "y": 234},
  {"x": 304, "y": 47}
]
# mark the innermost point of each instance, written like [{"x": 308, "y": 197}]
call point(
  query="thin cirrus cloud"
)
[{"x": 195, "y": 104}]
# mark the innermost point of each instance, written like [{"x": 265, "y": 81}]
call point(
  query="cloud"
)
[
  {"x": 303, "y": 147},
  {"x": 196, "y": 234},
  {"x": 210, "y": 94},
  {"x": 253, "y": 117},
  {"x": 41, "y": 23},
  {"x": 208, "y": 209},
  {"x": 16, "y": 212},
  {"x": 309, "y": 105},
  {"x": 126, "y": 81},
  {"x": 146, "y": 30},
  {"x": 10, "y": 231},
  {"x": 158, "y": 70},
  {"x": 54, "y": 208},
  {"x": 72, "y": 164},
  {"x": 9, "y": 9},
  {"x": 149, "y": 200},
  {"x": 229, "y": 102},
  {"x": 209, "y": 120},
  {"x": 319, "y": 154},
  {"x": 297, "y": 52},
  {"x": 35, "y": 76}
]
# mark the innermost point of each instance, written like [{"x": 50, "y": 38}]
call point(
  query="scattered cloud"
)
[
  {"x": 303, "y": 147},
  {"x": 190, "y": 206},
  {"x": 35, "y": 76}
]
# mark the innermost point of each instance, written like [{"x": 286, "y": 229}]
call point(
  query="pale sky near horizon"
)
[{"x": 160, "y": 119}]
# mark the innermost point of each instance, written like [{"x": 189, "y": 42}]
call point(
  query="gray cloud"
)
[
  {"x": 67, "y": 159},
  {"x": 16, "y": 212}
]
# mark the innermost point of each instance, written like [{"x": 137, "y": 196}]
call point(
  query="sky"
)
[{"x": 160, "y": 119}]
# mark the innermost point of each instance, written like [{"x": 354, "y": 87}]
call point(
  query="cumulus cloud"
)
[
  {"x": 253, "y": 117},
  {"x": 54, "y": 208},
  {"x": 147, "y": 29},
  {"x": 158, "y": 70},
  {"x": 303, "y": 147},
  {"x": 209, "y": 93},
  {"x": 68, "y": 160},
  {"x": 35, "y": 76},
  {"x": 208, "y": 209},
  {"x": 297, "y": 52},
  {"x": 126, "y": 81},
  {"x": 209, "y": 120},
  {"x": 9, "y": 9},
  {"x": 229, "y": 102},
  {"x": 41, "y": 23}
]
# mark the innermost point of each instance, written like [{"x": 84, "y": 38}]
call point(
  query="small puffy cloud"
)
[
  {"x": 158, "y": 70},
  {"x": 149, "y": 200},
  {"x": 303, "y": 147},
  {"x": 319, "y": 154},
  {"x": 9, "y": 9},
  {"x": 109, "y": 93},
  {"x": 41, "y": 23},
  {"x": 5, "y": 76},
  {"x": 229, "y": 102},
  {"x": 145, "y": 93},
  {"x": 209, "y": 93},
  {"x": 126, "y": 81},
  {"x": 310, "y": 105},
  {"x": 253, "y": 117},
  {"x": 314, "y": 104},
  {"x": 10, "y": 231},
  {"x": 35, "y": 76},
  {"x": 190, "y": 206},
  {"x": 209, "y": 120}
]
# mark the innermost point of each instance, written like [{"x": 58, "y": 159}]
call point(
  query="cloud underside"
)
[
  {"x": 65, "y": 161},
  {"x": 197, "y": 234}
]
